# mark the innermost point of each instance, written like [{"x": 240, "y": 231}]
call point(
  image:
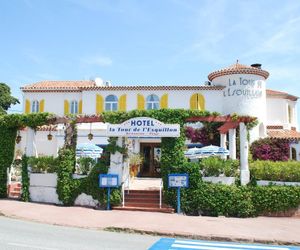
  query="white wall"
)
[
  {"x": 54, "y": 101},
  {"x": 177, "y": 99},
  {"x": 277, "y": 112}
]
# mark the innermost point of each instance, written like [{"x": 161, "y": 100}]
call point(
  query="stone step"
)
[
  {"x": 134, "y": 191},
  {"x": 146, "y": 209},
  {"x": 142, "y": 199},
  {"x": 14, "y": 193},
  {"x": 142, "y": 204},
  {"x": 143, "y": 196}
]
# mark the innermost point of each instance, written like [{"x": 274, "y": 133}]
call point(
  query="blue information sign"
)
[
  {"x": 108, "y": 181},
  {"x": 178, "y": 181}
]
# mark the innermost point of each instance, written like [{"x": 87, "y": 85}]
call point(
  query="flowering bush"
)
[
  {"x": 270, "y": 149},
  {"x": 207, "y": 135}
]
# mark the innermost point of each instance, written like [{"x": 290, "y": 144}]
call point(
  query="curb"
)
[
  {"x": 165, "y": 234},
  {"x": 200, "y": 237}
]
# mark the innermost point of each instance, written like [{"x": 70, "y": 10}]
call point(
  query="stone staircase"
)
[
  {"x": 14, "y": 190},
  {"x": 143, "y": 195}
]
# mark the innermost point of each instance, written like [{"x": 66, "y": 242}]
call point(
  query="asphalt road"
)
[{"x": 23, "y": 235}]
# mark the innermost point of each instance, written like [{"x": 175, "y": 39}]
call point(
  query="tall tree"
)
[{"x": 6, "y": 99}]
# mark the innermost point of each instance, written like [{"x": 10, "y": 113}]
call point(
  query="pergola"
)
[{"x": 230, "y": 125}]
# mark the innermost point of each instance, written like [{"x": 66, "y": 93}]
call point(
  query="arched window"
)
[
  {"x": 74, "y": 107},
  {"x": 152, "y": 102},
  {"x": 111, "y": 103},
  {"x": 35, "y": 107}
]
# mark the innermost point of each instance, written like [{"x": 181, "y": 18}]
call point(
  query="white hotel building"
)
[{"x": 236, "y": 89}]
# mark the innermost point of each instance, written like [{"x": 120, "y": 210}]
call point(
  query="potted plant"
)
[{"x": 135, "y": 161}]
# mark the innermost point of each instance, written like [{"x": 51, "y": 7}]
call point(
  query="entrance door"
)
[{"x": 151, "y": 153}]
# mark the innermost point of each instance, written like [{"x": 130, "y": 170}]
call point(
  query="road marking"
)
[
  {"x": 173, "y": 244},
  {"x": 30, "y": 246},
  {"x": 230, "y": 245}
]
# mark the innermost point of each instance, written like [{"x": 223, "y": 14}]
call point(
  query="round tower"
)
[{"x": 244, "y": 93}]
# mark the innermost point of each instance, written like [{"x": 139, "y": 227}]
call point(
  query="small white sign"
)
[{"x": 143, "y": 127}]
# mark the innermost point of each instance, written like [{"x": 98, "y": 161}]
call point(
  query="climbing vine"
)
[
  {"x": 172, "y": 148},
  {"x": 9, "y": 124},
  {"x": 25, "y": 196}
]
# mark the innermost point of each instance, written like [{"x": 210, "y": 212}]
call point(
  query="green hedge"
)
[
  {"x": 215, "y": 166},
  {"x": 216, "y": 199},
  {"x": 275, "y": 198},
  {"x": 275, "y": 171},
  {"x": 236, "y": 201}
]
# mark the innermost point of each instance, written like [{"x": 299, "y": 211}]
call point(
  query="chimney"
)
[
  {"x": 99, "y": 82},
  {"x": 256, "y": 65}
]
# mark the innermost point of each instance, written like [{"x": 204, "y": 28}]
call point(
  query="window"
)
[
  {"x": 290, "y": 114},
  {"x": 74, "y": 107},
  {"x": 197, "y": 102},
  {"x": 152, "y": 102},
  {"x": 111, "y": 103},
  {"x": 35, "y": 108}
]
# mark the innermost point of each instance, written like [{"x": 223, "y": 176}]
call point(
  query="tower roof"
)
[{"x": 238, "y": 68}]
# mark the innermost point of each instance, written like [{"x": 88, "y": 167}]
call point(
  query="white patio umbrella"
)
[
  {"x": 211, "y": 150},
  {"x": 88, "y": 150}
]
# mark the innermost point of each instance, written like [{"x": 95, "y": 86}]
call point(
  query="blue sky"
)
[{"x": 153, "y": 42}]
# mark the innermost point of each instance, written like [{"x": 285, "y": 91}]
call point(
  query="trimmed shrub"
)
[
  {"x": 218, "y": 199},
  {"x": 215, "y": 166},
  {"x": 275, "y": 198},
  {"x": 236, "y": 201},
  {"x": 270, "y": 149},
  {"x": 275, "y": 171}
]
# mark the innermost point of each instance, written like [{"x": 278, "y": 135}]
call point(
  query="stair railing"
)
[
  {"x": 160, "y": 193},
  {"x": 125, "y": 183}
]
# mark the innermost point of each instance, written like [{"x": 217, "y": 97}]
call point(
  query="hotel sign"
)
[{"x": 143, "y": 127}]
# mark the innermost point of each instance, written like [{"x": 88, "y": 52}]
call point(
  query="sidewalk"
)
[{"x": 261, "y": 229}]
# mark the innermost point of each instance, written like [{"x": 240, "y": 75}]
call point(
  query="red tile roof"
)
[
  {"x": 284, "y": 134},
  {"x": 238, "y": 69},
  {"x": 78, "y": 86},
  {"x": 282, "y": 95},
  {"x": 57, "y": 85}
]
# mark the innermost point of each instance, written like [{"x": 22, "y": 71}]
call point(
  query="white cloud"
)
[
  {"x": 102, "y": 61},
  {"x": 282, "y": 40}
]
